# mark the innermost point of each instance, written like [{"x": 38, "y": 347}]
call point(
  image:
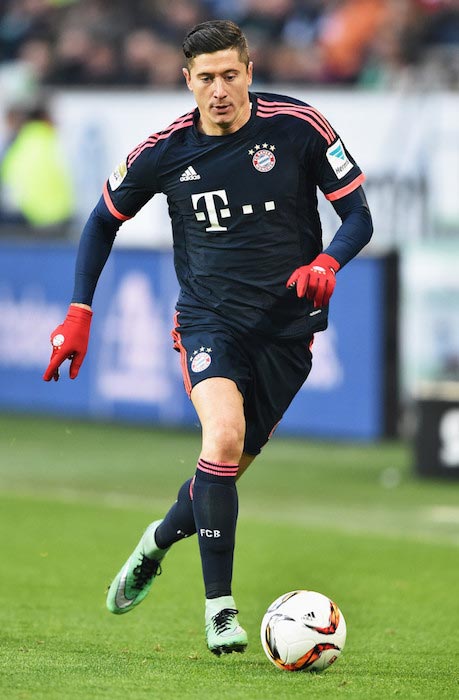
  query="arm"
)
[
  {"x": 95, "y": 246},
  {"x": 131, "y": 185},
  {"x": 70, "y": 339},
  {"x": 356, "y": 227},
  {"x": 316, "y": 281}
]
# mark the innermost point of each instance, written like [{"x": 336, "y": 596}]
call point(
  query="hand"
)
[
  {"x": 316, "y": 281},
  {"x": 69, "y": 341}
]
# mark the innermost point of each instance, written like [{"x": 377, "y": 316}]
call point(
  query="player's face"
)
[{"x": 220, "y": 84}]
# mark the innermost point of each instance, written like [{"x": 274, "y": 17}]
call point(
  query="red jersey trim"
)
[
  {"x": 337, "y": 194},
  {"x": 111, "y": 207},
  {"x": 309, "y": 114},
  {"x": 181, "y": 123},
  {"x": 176, "y": 337}
]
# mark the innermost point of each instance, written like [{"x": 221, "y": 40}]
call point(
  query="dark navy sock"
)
[
  {"x": 215, "y": 507},
  {"x": 179, "y": 520}
]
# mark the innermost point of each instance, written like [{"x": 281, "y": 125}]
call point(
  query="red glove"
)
[
  {"x": 316, "y": 281},
  {"x": 69, "y": 341}
]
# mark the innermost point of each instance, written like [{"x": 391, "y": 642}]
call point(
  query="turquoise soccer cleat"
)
[
  {"x": 134, "y": 580},
  {"x": 223, "y": 631}
]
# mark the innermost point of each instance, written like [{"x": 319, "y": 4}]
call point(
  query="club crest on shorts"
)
[
  {"x": 263, "y": 158},
  {"x": 200, "y": 359}
]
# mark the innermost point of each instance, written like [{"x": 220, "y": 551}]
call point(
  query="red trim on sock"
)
[
  {"x": 217, "y": 469},
  {"x": 216, "y": 464}
]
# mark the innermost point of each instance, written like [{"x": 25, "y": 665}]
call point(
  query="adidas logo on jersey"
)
[{"x": 189, "y": 174}]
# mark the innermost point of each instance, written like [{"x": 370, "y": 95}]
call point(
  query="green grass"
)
[{"x": 351, "y": 521}]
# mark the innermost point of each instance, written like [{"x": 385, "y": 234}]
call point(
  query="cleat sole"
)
[{"x": 228, "y": 649}]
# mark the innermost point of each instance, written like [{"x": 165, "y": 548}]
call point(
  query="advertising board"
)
[{"x": 131, "y": 371}]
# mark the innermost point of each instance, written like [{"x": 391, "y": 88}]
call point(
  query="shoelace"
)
[
  {"x": 222, "y": 620},
  {"x": 145, "y": 570}
]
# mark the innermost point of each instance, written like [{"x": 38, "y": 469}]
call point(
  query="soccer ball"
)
[{"x": 303, "y": 631}]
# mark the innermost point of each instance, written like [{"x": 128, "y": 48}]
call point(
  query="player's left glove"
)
[{"x": 316, "y": 281}]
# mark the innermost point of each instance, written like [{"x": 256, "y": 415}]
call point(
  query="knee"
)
[{"x": 224, "y": 441}]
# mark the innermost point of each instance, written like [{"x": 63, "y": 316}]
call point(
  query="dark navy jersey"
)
[{"x": 243, "y": 209}]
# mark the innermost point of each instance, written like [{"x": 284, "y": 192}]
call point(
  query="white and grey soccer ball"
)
[{"x": 303, "y": 631}]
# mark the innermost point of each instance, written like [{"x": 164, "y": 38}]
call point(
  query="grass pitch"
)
[{"x": 350, "y": 521}]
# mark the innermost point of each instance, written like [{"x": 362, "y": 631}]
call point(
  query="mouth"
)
[{"x": 221, "y": 109}]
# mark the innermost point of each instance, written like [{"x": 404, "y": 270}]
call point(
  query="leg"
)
[
  {"x": 179, "y": 520},
  {"x": 222, "y": 432},
  {"x": 220, "y": 408},
  {"x": 244, "y": 463},
  {"x": 222, "y": 441}
]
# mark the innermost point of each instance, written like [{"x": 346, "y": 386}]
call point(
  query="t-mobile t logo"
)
[
  {"x": 209, "y": 533},
  {"x": 210, "y": 205}
]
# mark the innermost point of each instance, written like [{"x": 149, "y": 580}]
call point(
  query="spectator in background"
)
[
  {"x": 171, "y": 19},
  {"x": 166, "y": 71},
  {"x": 442, "y": 26},
  {"x": 37, "y": 54},
  {"x": 148, "y": 60},
  {"x": 86, "y": 57},
  {"x": 295, "y": 64},
  {"x": 371, "y": 43},
  {"x": 296, "y": 56},
  {"x": 440, "y": 42},
  {"x": 346, "y": 32},
  {"x": 263, "y": 21},
  {"x": 141, "y": 54},
  {"x": 35, "y": 185},
  {"x": 395, "y": 51}
]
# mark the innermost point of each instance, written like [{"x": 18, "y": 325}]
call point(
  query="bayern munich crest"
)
[
  {"x": 263, "y": 158},
  {"x": 201, "y": 359}
]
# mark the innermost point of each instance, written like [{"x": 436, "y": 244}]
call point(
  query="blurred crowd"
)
[{"x": 118, "y": 43}]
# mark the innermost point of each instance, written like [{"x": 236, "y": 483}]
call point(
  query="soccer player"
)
[{"x": 241, "y": 173}]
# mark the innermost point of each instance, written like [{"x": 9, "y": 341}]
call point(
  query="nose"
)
[{"x": 219, "y": 88}]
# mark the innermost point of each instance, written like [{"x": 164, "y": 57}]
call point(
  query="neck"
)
[{"x": 209, "y": 128}]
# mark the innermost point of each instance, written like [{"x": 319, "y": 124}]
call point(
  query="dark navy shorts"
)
[{"x": 268, "y": 373}]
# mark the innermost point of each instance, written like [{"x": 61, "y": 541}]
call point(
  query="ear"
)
[
  {"x": 249, "y": 73},
  {"x": 187, "y": 76}
]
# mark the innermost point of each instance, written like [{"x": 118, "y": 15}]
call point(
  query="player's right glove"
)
[{"x": 70, "y": 342}]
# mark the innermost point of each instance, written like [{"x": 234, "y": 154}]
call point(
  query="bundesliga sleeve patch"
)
[
  {"x": 118, "y": 175},
  {"x": 336, "y": 156}
]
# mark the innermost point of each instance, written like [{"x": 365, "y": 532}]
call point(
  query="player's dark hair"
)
[{"x": 215, "y": 35}]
